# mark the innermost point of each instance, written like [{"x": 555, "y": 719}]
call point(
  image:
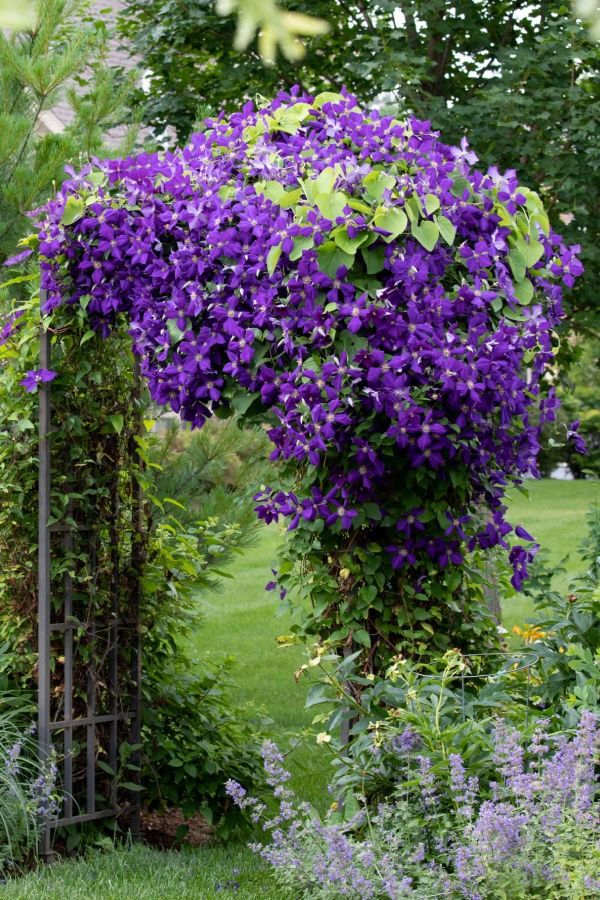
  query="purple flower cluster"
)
[
  {"x": 320, "y": 855},
  {"x": 405, "y": 742},
  {"x": 390, "y": 305},
  {"x": 10, "y": 324},
  {"x": 12, "y": 761},
  {"x": 575, "y": 438},
  {"x": 552, "y": 796},
  {"x": 537, "y": 835},
  {"x": 464, "y": 788},
  {"x": 43, "y": 792}
]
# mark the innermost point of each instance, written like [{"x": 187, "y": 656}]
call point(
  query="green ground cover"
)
[
  {"x": 555, "y": 515},
  {"x": 141, "y": 873},
  {"x": 241, "y": 621}
]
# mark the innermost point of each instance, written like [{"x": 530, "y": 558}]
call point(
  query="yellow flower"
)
[
  {"x": 323, "y": 738},
  {"x": 286, "y": 640},
  {"x": 530, "y": 633}
]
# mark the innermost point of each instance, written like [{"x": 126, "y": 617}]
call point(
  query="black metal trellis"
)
[{"x": 104, "y": 647}]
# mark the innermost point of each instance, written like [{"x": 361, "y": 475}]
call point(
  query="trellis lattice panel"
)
[{"x": 89, "y": 664}]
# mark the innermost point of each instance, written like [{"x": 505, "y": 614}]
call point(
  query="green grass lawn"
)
[
  {"x": 241, "y": 620},
  {"x": 555, "y": 515},
  {"x": 140, "y": 873}
]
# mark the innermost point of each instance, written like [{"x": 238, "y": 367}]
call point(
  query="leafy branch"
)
[{"x": 276, "y": 28}]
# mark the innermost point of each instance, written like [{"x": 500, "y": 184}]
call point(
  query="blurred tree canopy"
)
[
  {"x": 520, "y": 78},
  {"x": 17, "y": 16}
]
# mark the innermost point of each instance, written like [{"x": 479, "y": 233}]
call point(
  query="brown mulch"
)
[{"x": 171, "y": 829}]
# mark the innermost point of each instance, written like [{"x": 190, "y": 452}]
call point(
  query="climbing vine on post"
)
[{"x": 388, "y": 308}]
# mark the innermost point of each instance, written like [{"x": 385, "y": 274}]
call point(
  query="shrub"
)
[
  {"x": 451, "y": 705},
  {"x": 194, "y": 740}
]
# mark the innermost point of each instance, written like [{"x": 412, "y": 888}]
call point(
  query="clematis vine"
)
[{"x": 388, "y": 307}]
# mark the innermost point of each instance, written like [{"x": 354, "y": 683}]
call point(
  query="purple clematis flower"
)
[{"x": 35, "y": 377}]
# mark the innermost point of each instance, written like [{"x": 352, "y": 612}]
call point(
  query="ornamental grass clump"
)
[
  {"x": 530, "y": 833},
  {"x": 388, "y": 308},
  {"x": 29, "y": 794}
]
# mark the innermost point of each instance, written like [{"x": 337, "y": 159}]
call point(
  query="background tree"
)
[
  {"x": 46, "y": 63},
  {"x": 521, "y": 78}
]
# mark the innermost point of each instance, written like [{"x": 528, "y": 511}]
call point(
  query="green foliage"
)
[
  {"x": 345, "y": 593},
  {"x": 212, "y": 472},
  {"x": 451, "y": 703},
  {"x": 94, "y": 389},
  {"x": 568, "y": 621},
  {"x": 39, "y": 67},
  {"x": 521, "y": 79}
]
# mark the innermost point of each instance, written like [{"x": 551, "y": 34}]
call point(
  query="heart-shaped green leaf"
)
[
  {"x": 517, "y": 264},
  {"x": 447, "y": 229},
  {"x": 427, "y": 234},
  {"x": 348, "y": 244},
  {"x": 374, "y": 259},
  {"x": 393, "y": 220},
  {"x": 432, "y": 203},
  {"x": 301, "y": 243},
  {"x": 273, "y": 258},
  {"x": 73, "y": 211},
  {"x": 331, "y": 205},
  {"x": 331, "y": 258},
  {"x": 524, "y": 291},
  {"x": 117, "y": 421}
]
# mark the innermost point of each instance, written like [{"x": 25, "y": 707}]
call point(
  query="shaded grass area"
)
[
  {"x": 242, "y": 620},
  {"x": 555, "y": 515},
  {"x": 140, "y": 873}
]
